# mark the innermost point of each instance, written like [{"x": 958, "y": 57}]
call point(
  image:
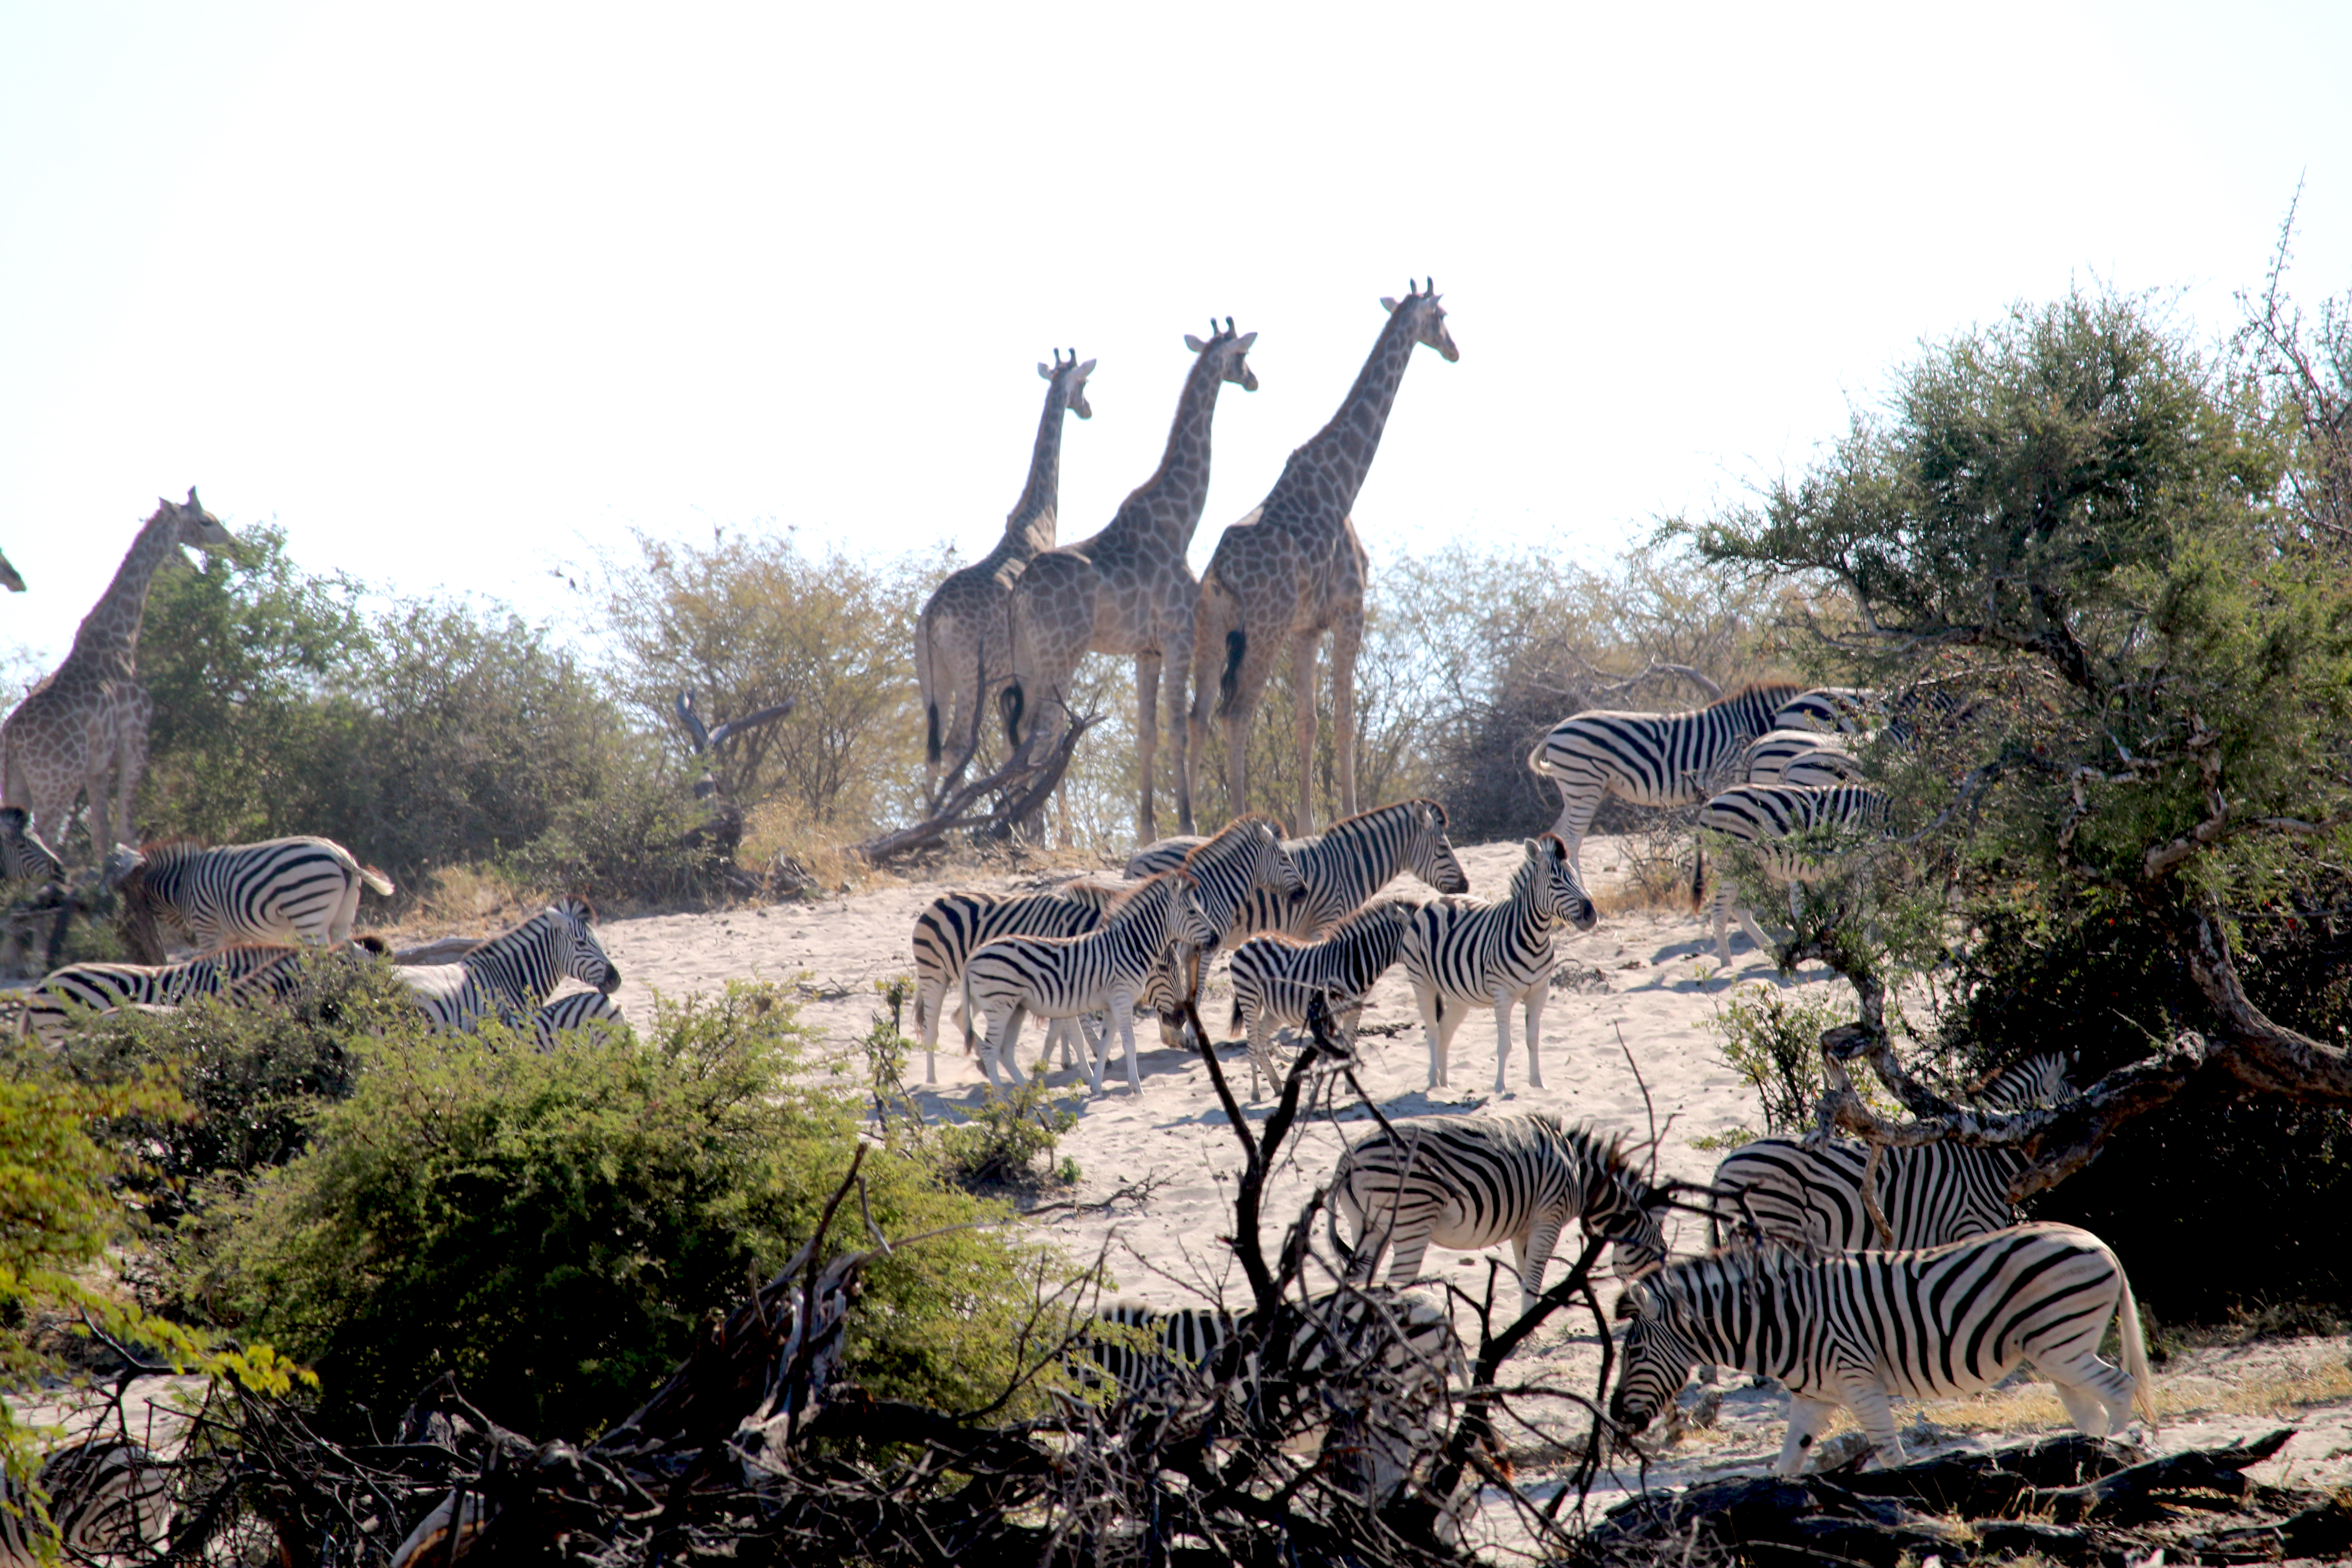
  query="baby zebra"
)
[
  {"x": 1462, "y": 953},
  {"x": 1274, "y": 976},
  {"x": 954, "y": 926},
  {"x": 582, "y": 1012},
  {"x": 1068, "y": 977},
  {"x": 1854, "y": 1329},
  {"x": 286, "y": 889},
  {"x": 508, "y": 977},
  {"x": 1935, "y": 1193},
  {"x": 25, "y": 857},
  {"x": 1472, "y": 1180},
  {"x": 1800, "y": 833}
]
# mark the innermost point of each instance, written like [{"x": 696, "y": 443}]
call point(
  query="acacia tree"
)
[{"x": 2078, "y": 524}]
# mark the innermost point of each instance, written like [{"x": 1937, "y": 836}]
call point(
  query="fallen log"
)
[{"x": 2199, "y": 1469}]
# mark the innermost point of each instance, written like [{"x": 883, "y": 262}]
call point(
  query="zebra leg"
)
[
  {"x": 1535, "y": 1007},
  {"x": 1867, "y": 1397},
  {"x": 1261, "y": 1046},
  {"x": 1432, "y": 1016},
  {"x": 1808, "y": 1419},
  {"x": 929, "y": 999},
  {"x": 1503, "y": 1000},
  {"x": 1122, "y": 1007},
  {"x": 1533, "y": 1248}
]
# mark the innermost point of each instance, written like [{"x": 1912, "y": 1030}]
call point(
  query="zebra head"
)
[
  {"x": 577, "y": 951},
  {"x": 23, "y": 855},
  {"x": 1189, "y": 923},
  {"x": 1273, "y": 867},
  {"x": 1431, "y": 854},
  {"x": 1655, "y": 1357},
  {"x": 1557, "y": 890}
]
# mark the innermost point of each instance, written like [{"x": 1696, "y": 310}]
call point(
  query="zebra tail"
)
[
  {"x": 1698, "y": 876},
  {"x": 377, "y": 880},
  {"x": 1339, "y": 1250},
  {"x": 931, "y": 747},
  {"x": 1235, "y": 1021},
  {"x": 963, "y": 983},
  {"x": 1229, "y": 684},
  {"x": 2136, "y": 1354}
]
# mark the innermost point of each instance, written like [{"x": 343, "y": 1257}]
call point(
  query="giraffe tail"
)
[
  {"x": 1229, "y": 684},
  {"x": 931, "y": 740}
]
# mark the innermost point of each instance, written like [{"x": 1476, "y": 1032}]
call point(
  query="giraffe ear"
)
[
  {"x": 1195, "y": 345},
  {"x": 1086, "y": 370},
  {"x": 1242, "y": 347},
  {"x": 1044, "y": 373},
  {"x": 194, "y": 504},
  {"x": 1388, "y": 304}
]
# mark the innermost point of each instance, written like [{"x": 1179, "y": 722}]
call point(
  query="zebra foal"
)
[
  {"x": 1068, "y": 977},
  {"x": 582, "y": 1012},
  {"x": 1856, "y": 1330},
  {"x": 510, "y": 977},
  {"x": 240, "y": 972},
  {"x": 1274, "y": 977},
  {"x": 1799, "y": 833},
  {"x": 1469, "y": 1182},
  {"x": 284, "y": 890},
  {"x": 954, "y": 926},
  {"x": 1462, "y": 953}
]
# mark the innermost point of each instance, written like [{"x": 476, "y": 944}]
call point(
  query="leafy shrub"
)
[
  {"x": 554, "y": 1228},
  {"x": 1004, "y": 1143},
  {"x": 1774, "y": 1043}
]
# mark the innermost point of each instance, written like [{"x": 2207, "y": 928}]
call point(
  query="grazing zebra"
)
[
  {"x": 1800, "y": 833},
  {"x": 1652, "y": 759},
  {"x": 582, "y": 1011},
  {"x": 1932, "y": 1194},
  {"x": 1068, "y": 977},
  {"x": 1275, "y": 977},
  {"x": 508, "y": 977},
  {"x": 1854, "y": 1329},
  {"x": 1343, "y": 868},
  {"x": 1175, "y": 1341},
  {"x": 1462, "y": 953},
  {"x": 1472, "y": 1180},
  {"x": 954, "y": 926},
  {"x": 286, "y": 889},
  {"x": 244, "y": 971},
  {"x": 25, "y": 857},
  {"x": 108, "y": 1497}
]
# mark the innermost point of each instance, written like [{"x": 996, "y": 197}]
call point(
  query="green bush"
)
[
  {"x": 1008, "y": 1141},
  {"x": 554, "y": 1229}
]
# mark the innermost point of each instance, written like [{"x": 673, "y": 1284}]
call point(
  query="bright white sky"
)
[{"x": 458, "y": 294}]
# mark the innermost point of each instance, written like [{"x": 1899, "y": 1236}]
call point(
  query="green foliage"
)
[
  {"x": 1004, "y": 1143},
  {"x": 1772, "y": 1037},
  {"x": 554, "y": 1228}
]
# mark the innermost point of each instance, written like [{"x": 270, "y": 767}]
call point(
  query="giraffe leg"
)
[
  {"x": 1303, "y": 647},
  {"x": 1179, "y": 642},
  {"x": 1250, "y": 676},
  {"x": 1212, "y": 616},
  {"x": 1346, "y": 639},
  {"x": 1147, "y": 740}
]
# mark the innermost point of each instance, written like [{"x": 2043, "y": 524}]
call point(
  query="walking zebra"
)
[
  {"x": 1462, "y": 953},
  {"x": 1472, "y": 1181},
  {"x": 508, "y": 977},
  {"x": 1935, "y": 1193},
  {"x": 1855, "y": 1329},
  {"x": 1343, "y": 868},
  {"x": 954, "y": 926},
  {"x": 107, "y": 1497},
  {"x": 1652, "y": 759},
  {"x": 1800, "y": 833},
  {"x": 1068, "y": 977},
  {"x": 25, "y": 856},
  {"x": 581, "y": 1011},
  {"x": 1275, "y": 977},
  {"x": 286, "y": 889}
]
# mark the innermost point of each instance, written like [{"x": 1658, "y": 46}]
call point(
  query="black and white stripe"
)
[
  {"x": 1857, "y": 1329},
  {"x": 1462, "y": 953},
  {"x": 108, "y": 1500},
  {"x": 510, "y": 977},
  {"x": 1653, "y": 759},
  {"x": 1798, "y": 833},
  {"x": 1104, "y": 969},
  {"x": 25, "y": 856},
  {"x": 1161, "y": 1344},
  {"x": 580, "y": 1012},
  {"x": 1246, "y": 856},
  {"x": 1343, "y": 870},
  {"x": 1935, "y": 1193},
  {"x": 1275, "y": 977},
  {"x": 284, "y": 889},
  {"x": 1472, "y": 1180},
  {"x": 1820, "y": 759},
  {"x": 954, "y": 926},
  {"x": 1832, "y": 709},
  {"x": 251, "y": 969}
]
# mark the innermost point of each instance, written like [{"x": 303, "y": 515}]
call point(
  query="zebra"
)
[
  {"x": 1343, "y": 868},
  {"x": 241, "y": 972},
  {"x": 1831, "y": 709},
  {"x": 1652, "y": 759},
  {"x": 1938, "y": 1192},
  {"x": 284, "y": 890},
  {"x": 954, "y": 926},
  {"x": 1472, "y": 1181},
  {"x": 1160, "y": 1342},
  {"x": 1769, "y": 756},
  {"x": 508, "y": 977},
  {"x": 1068, "y": 977},
  {"x": 25, "y": 856},
  {"x": 1462, "y": 953},
  {"x": 1246, "y": 856},
  {"x": 1274, "y": 975},
  {"x": 1800, "y": 833},
  {"x": 107, "y": 1497},
  {"x": 1854, "y": 1329},
  {"x": 589, "y": 1012}
]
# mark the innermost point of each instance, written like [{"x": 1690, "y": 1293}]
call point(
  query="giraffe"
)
[
  {"x": 962, "y": 638},
  {"x": 1295, "y": 567},
  {"x": 1128, "y": 590},
  {"x": 84, "y": 726}
]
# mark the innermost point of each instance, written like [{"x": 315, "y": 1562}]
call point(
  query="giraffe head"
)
[
  {"x": 193, "y": 524},
  {"x": 1231, "y": 349},
  {"x": 1072, "y": 375},
  {"x": 1425, "y": 318}
]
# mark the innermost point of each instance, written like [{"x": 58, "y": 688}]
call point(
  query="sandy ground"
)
[{"x": 1624, "y": 1043}]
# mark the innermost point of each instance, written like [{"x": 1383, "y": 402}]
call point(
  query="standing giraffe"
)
[
  {"x": 84, "y": 726},
  {"x": 1295, "y": 567},
  {"x": 1128, "y": 590},
  {"x": 961, "y": 640}
]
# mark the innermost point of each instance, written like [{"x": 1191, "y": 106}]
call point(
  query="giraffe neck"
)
[
  {"x": 1329, "y": 470},
  {"x": 109, "y": 633},
  {"x": 1172, "y": 501},
  {"x": 1031, "y": 526}
]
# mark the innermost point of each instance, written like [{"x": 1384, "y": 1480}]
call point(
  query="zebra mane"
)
[
  {"x": 1751, "y": 689},
  {"x": 1742, "y": 1262},
  {"x": 577, "y": 907},
  {"x": 163, "y": 854},
  {"x": 1234, "y": 832},
  {"x": 2029, "y": 1083},
  {"x": 1129, "y": 896},
  {"x": 1392, "y": 809}
]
